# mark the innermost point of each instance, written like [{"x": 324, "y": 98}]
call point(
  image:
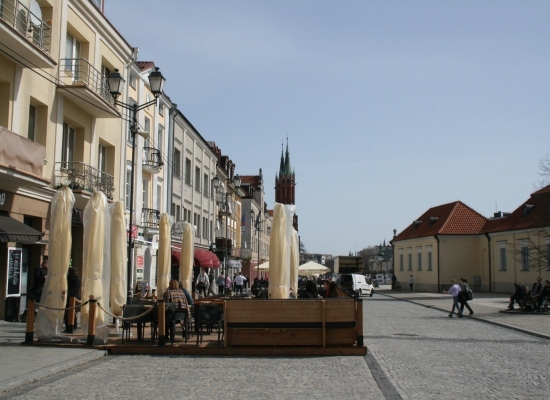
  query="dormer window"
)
[
  {"x": 432, "y": 221},
  {"x": 527, "y": 209},
  {"x": 416, "y": 224}
]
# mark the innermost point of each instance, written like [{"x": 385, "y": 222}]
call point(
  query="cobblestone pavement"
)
[
  {"x": 426, "y": 355},
  {"x": 415, "y": 352}
]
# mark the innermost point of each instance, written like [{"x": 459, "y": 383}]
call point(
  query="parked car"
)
[{"x": 356, "y": 284}]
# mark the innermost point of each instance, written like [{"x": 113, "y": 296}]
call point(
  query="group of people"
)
[
  {"x": 461, "y": 294},
  {"x": 537, "y": 298},
  {"x": 205, "y": 283},
  {"x": 330, "y": 289}
]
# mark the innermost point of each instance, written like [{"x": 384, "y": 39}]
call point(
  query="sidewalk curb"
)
[
  {"x": 488, "y": 321},
  {"x": 44, "y": 372}
]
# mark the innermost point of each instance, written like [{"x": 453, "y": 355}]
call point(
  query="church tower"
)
[{"x": 285, "y": 183}]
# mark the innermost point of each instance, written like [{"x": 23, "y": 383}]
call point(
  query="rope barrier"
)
[
  {"x": 127, "y": 318},
  {"x": 61, "y": 309}
]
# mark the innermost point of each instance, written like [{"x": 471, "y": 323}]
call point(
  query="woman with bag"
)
[{"x": 465, "y": 295}]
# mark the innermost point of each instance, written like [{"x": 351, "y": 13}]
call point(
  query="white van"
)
[{"x": 356, "y": 283}]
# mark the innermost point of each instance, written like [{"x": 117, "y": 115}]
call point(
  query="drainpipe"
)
[
  {"x": 438, "y": 265},
  {"x": 173, "y": 113},
  {"x": 490, "y": 263}
]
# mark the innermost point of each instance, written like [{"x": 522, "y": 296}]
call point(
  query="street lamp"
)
[
  {"x": 236, "y": 181},
  {"x": 258, "y": 225},
  {"x": 156, "y": 81}
]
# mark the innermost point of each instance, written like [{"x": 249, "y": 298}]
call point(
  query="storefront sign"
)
[
  {"x": 13, "y": 287},
  {"x": 139, "y": 262}
]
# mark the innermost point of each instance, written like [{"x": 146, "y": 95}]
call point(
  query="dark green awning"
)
[{"x": 12, "y": 230}]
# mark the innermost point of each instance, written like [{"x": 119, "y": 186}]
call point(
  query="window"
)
[
  {"x": 173, "y": 210},
  {"x": 188, "y": 171},
  {"x": 205, "y": 184},
  {"x": 102, "y": 158},
  {"x": 211, "y": 231},
  {"x": 128, "y": 183},
  {"x": 502, "y": 257},
  {"x": 429, "y": 251},
  {"x": 67, "y": 152},
  {"x": 159, "y": 196},
  {"x": 401, "y": 264},
  {"x": 409, "y": 259},
  {"x": 160, "y": 133},
  {"x": 204, "y": 228},
  {"x": 197, "y": 179},
  {"x": 132, "y": 80},
  {"x": 72, "y": 54},
  {"x": 177, "y": 164},
  {"x": 524, "y": 257},
  {"x": 197, "y": 223},
  {"x": 147, "y": 125},
  {"x": 178, "y": 212},
  {"x": 419, "y": 260},
  {"x": 105, "y": 90},
  {"x": 161, "y": 108},
  {"x": 31, "y": 131},
  {"x": 145, "y": 203}
]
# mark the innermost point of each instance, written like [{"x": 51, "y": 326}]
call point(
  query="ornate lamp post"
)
[
  {"x": 258, "y": 225},
  {"x": 156, "y": 81},
  {"x": 236, "y": 181}
]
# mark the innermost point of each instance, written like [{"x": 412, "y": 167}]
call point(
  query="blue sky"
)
[{"x": 390, "y": 107}]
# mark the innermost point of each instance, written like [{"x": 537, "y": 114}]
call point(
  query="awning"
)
[
  {"x": 215, "y": 260},
  {"x": 203, "y": 259},
  {"x": 12, "y": 230},
  {"x": 176, "y": 254}
]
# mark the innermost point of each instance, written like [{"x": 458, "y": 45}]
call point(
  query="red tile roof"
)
[
  {"x": 253, "y": 180},
  {"x": 448, "y": 219},
  {"x": 533, "y": 213}
]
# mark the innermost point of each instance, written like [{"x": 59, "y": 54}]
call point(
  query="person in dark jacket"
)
[
  {"x": 536, "y": 294},
  {"x": 40, "y": 274},
  {"x": 463, "y": 296},
  {"x": 519, "y": 294},
  {"x": 73, "y": 290}
]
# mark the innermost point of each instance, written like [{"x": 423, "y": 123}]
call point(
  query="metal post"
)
[{"x": 133, "y": 131}]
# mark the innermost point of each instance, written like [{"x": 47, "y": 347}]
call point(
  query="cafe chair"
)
[
  {"x": 181, "y": 317},
  {"x": 209, "y": 315}
]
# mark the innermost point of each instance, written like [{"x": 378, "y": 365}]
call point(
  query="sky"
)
[{"x": 389, "y": 107}]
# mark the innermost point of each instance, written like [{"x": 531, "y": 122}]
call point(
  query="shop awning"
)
[
  {"x": 12, "y": 230},
  {"x": 203, "y": 259},
  {"x": 215, "y": 260}
]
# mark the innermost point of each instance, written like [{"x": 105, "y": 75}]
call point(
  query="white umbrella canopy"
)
[
  {"x": 264, "y": 266},
  {"x": 118, "y": 258},
  {"x": 50, "y": 322},
  {"x": 294, "y": 262},
  {"x": 311, "y": 268},
  {"x": 96, "y": 267},
  {"x": 186, "y": 258},
  {"x": 164, "y": 254}
]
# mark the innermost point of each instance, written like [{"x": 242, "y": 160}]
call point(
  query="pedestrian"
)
[
  {"x": 411, "y": 281},
  {"x": 464, "y": 296},
  {"x": 454, "y": 291},
  {"x": 211, "y": 285},
  {"x": 202, "y": 283},
  {"x": 221, "y": 283},
  {"x": 228, "y": 285},
  {"x": 73, "y": 290},
  {"x": 536, "y": 294},
  {"x": 40, "y": 275},
  {"x": 393, "y": 282},
  {"x": 239, "y": 280}
]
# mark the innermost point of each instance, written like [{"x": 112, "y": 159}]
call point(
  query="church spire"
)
[
  {"x": 288, "y": 170},
  {"x": 282, "y": 166}
]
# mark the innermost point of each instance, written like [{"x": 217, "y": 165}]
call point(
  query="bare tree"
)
[
  {"x": 532, "y": 253},
  {"x": 544, "y": 170}
]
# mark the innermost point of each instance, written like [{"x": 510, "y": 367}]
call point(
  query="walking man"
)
[
  {"x": 221, "y": 283},
  {"x": 239, "y": 280},
  {"x": 454, "y": 291},
  {"x": 411, "y": 281},
  {"x": 211, "y": 286}
]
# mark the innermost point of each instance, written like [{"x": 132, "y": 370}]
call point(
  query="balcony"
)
[
  {"x": 21, "y": 162},
  {"x": 150, "y": 220},
  {"x": 152, "y": 160},
  {"x": 87, "y": 87},
  {"x": 83, "y": 178},
  {"x": 24, "y": 35}
]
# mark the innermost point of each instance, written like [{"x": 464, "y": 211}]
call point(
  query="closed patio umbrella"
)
[
  {"x": 50, "y": 322},
  {"x": 279, "y": 252},
  {"x": 164, "y": 254},
  {"x": 118, "y": 258},
  {"x": 294, "y": 262},
  {"x": 96, "y": 223},
  {"x": 187, "y": 256}
]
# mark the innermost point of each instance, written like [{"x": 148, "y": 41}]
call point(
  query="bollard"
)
[
  {"x": 359, "y": 319},
  {"x": 71, "y": 315},
  {"x": 162, "y": 323},
  {"x": 91, "y": 321},
  {"x": 29, "y": 334}
]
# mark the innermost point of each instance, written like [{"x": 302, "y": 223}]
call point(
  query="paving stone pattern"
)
[{"x": 415, "y": 352}]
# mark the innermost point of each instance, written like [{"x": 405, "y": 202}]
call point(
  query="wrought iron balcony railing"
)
[
  {"x": 83, "y": 177},
  {"x": 79, "y": 72},
  {"x": 150, "y": 218},
  {"x": 26, "y": 23},
  {"x": 152, "y": 159}
]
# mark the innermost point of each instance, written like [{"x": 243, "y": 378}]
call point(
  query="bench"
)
[{"x": 307, "y": 322}]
